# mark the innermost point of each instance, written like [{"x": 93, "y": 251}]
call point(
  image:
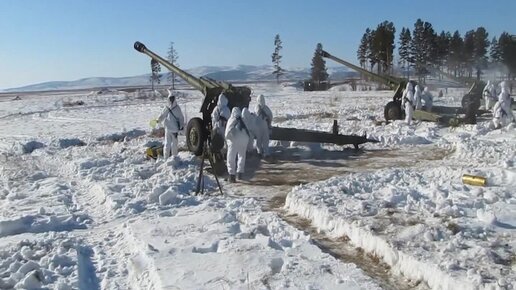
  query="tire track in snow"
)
[
  {"x": 87, "y": 278},
  {"x": 342, "y": 250}
]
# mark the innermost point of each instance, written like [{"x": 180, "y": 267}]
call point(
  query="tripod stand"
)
[{"x": 200, "y": 181}]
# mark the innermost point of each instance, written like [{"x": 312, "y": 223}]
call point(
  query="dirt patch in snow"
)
[{"x": 295, "y": 166}]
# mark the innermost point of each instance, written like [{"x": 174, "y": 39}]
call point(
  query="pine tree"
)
[
  {"x": 442, "y": 43},
  {"x": 468, "y": 52},
  {"x": 276, "y": 58},
  {"x": 383, "y": 45},
  {"x": 454, "y": 55},
  {"x": 155, "y": 69},
  {"x": 375, "y": 49},
  {"x": 319, "y": 73},
  {"x": 363, "y": 48},
  {"x": 423, "y": 47},
  {"x": 372, "y": 56},
  {"x": 508, "y": 53},
  {"x": 404, "y": 50},
  {"x": 494, "y": 51},
  {"x": 172, "y": 57},
  {"x": 480, "y": 51}
]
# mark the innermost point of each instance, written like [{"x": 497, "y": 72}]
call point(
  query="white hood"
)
[
  {"x": 261, "y": 100},
  {"x": 236, "y": 112},
  {"x": 222, "y": 101}
]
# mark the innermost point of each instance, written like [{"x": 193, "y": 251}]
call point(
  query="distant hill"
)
[{"x": 231, "y": 74}]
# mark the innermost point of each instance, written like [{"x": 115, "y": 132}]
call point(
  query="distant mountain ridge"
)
[{"x": 240, "y": 73}]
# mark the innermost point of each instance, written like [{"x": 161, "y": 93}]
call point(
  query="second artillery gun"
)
[
  {"x": 393, "y": 110},
  {"x": 199, "y": 130},
  {"x": 474, "y": 96}
]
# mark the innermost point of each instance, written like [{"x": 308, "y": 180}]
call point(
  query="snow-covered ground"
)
[{"x": 81, "y": 207}]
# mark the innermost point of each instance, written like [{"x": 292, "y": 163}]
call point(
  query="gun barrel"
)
[
  {"x": 193, "y": 81},
  {"x": 392, "y": 82}
]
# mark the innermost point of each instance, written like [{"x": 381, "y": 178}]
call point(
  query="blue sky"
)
[{"x": 68, "y": 40}]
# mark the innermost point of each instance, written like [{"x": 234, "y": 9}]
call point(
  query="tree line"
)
[{"x": 423, "y": 51}]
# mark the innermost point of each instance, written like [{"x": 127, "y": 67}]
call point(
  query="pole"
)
[
  {"x": 200, "y": 180},
  {"x": 212, "y": 164}
]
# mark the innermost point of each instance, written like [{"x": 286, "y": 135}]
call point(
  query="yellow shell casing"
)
[{"x": 474, "y": 180}]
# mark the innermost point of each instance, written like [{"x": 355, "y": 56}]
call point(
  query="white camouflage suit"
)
[
  {"x": 417, "y": 98},
  {"x": 407, "y": 102},
  {"x": 220, "y": 115},
  {"x": 489, "y": 94},
  {"x": 173, "y": 121},
  {"x": 237, "y": 138},
  {"x": 251, "y": 122},
  {"x": 264, "y": 126},
  {"x": 428, "y": 99},
  {"x": 502, "y": 111}
]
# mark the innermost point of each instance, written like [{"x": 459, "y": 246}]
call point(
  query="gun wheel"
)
[
  {"x": 195, "y": 136},
  {"x": 392, "y": 111}
]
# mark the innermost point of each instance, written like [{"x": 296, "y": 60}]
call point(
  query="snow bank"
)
[
  {"x": 42, "y": 223},
  {"x": 46, "y": 262},
  {"x": 30, "y": 146},
  {"x": 124, "y": 136},
  {"x": 126, "y": 183},
  {"x": 398, "y": 133},
  {"x": 495, "y": 148},
  {"x": 422, "y": 222}
]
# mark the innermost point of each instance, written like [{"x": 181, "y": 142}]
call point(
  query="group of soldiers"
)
[
  {"x": 502, "y": 111},
  {"x": 241, "y": 129},
  {"x": 413, "y": 98}
]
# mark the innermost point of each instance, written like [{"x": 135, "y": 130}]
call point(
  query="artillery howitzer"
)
[
  {"x": 199, "y": 130},
  {"x": 475, "y": 93},
  {"x": 393, "y": 110}
]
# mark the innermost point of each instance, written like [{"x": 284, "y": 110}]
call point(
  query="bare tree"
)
[
  {"x": 276, "y": 58},
  {"x": 155, "y": 70},
  {"x": 172, "y": 58}
]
